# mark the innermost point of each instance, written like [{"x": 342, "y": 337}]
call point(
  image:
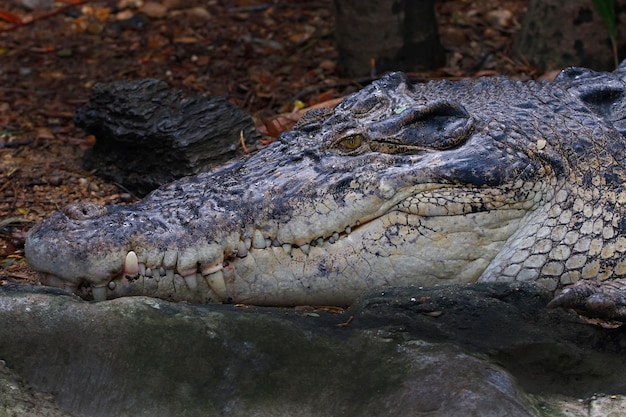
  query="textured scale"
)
[{"x": 400, "y": 184}]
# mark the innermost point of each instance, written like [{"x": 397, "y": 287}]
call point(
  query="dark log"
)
[{"x": 148, "y": 135}]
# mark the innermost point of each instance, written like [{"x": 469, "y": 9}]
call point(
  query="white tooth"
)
[
  {"x": 358, "y": 222},
  {"x": 112, "y": 285},
  {"x": 336, "y": 236},
  {"x": 287, "y": 248},
  {"x": 242, "y": 250},
  {"x": 320, "y": 241},
  {"x": 99, "y": 293},
  {"x": 131, "y": 264},
  {"x": 191, "y": 281},
  {"x": 348, "y": 229},
  {"x": 305, "y": 249},
  {"x": 162, "y": 271},
  {"x": 148, "y": 272},
  {"x": 248, "y": 243},
  {"x": 142, "y": 268},
  {"x": 258, "y": 241},
  {"x": 217, "y": 284}
]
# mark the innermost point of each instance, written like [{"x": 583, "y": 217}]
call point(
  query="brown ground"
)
[{"x": 262, "y": 55}]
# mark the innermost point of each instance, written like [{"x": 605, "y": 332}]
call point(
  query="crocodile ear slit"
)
[{"x": 439, "y": 125}]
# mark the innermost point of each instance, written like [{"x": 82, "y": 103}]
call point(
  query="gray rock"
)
[
  {"x": 18, "y": 400},
  {"x": 548, "y": 350},
  {"x": 400, "y": 354},
  {"x": 148, "y": 134}
]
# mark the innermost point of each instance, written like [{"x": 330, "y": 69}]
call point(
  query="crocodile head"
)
[{"x": 399, "y": 184}]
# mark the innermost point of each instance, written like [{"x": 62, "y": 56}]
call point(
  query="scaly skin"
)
[{"x": 444, "y": 182}]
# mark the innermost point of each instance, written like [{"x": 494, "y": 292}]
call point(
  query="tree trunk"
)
[
  {"x": 561, "y": 33},
  {"x": 385, "y": 35}
]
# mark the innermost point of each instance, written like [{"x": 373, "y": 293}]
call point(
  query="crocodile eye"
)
[{"x": 350, "y": 143}]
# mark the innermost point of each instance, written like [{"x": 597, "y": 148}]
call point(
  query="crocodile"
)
[{"x": 400, "y": 184}]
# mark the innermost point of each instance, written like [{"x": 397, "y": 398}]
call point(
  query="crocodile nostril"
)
[{"x": 84, "y": 211}]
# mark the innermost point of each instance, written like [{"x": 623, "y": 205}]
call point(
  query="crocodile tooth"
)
[
  {"x": 191, "y": 281},
  {"x": 335, "y": 237},
  {"x": 142, "y": 268},
  {"x": 242, "y": 250},
  {"x": 162, "y": 271},
  {"x": 319, "y": 241},
  {"x": 287, "y": 248},
  {"x": 305, "y": 249},
  {"x": 215, "y": 281},
  {"x": 248, "y": 242},
  {"x": 99, "y": 293},
  {"x": 131, "y": 264},
  {"x": 169, "y": 273},
  {"x": 348, "y": 229},
  {"x": 148, "y": 272},
  {"x": 258, "y": 241},
  {"x": 111, "y": 285},
  {"x": 275, "y": 243}
]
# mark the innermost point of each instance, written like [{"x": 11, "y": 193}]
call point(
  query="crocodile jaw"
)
[
  {"x": 307, "y": 260},
  {"x": 445, "y": 249}
]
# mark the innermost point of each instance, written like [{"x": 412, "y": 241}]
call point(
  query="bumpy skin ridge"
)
[{"x": 400, "y": 184}]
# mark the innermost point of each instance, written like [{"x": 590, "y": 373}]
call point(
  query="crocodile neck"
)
[{"x": 579, "y": 234}]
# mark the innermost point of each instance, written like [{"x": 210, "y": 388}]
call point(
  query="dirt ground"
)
[{"x": 266, "y": 56}]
